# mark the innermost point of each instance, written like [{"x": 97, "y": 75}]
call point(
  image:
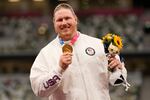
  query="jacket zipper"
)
[{"x": 84, "y": 82}]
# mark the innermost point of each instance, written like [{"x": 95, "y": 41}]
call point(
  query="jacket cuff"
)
[{"x": 117, "y": 78}]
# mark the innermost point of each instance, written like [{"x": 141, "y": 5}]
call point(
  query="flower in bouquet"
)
[{"x": 112, "y": 43}]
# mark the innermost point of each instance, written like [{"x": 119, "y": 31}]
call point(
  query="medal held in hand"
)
[
  {"x": 112, "y": 44},
  {"x": 67, "y": 48}
]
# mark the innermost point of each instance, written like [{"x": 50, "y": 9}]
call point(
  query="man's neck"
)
[
  {"x": 68, "y": 38},
  {"x": 71, "y": 40}
]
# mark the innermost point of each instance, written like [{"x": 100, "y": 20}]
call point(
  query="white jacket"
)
[{"x": 87, "y": 78}]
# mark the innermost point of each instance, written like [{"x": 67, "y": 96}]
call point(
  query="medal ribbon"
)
[{"x": 72, "y": 41}]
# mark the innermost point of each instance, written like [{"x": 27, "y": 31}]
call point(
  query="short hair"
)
[{"x": 65, "y": 6}]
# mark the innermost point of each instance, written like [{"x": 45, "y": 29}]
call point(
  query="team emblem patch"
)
[{"x": 90, "y": 51}]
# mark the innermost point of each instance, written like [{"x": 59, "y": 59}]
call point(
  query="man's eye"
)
[
  {"x": 67, "y": 18},
  {"x": 59, "y": 20}
]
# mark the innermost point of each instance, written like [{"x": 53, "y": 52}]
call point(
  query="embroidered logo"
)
[
  {"x": 90, "y": 51},
  {"x": 51, "y": 82}
]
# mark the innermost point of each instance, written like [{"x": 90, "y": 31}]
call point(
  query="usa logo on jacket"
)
[{"x": 90, "y": 51}]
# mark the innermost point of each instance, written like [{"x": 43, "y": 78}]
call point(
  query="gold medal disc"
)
[{"x": 67, "y": 48}]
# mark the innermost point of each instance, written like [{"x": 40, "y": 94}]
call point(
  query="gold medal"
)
[{"x": 67, "y": 48}]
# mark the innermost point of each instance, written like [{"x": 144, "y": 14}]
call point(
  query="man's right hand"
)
[{"x": 65, "y": 60}]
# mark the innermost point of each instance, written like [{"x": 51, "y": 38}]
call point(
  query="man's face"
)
[{"x": 65, "y": 23}]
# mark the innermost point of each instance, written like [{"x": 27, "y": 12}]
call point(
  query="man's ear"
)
[{"x": 76, "y": 19}]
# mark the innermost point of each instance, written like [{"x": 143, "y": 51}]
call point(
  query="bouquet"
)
[{"x": 112, "y": 43}]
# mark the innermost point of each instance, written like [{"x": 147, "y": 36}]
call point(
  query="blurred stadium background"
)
[{"x": 26, "y": 26}]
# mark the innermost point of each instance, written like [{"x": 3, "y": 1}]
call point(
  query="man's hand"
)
[
  {"x": 114, "y": 63},
  {"x": 65, "y": 60}
]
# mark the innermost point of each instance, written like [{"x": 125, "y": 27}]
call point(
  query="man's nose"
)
[{"x": 64, "y": 22}]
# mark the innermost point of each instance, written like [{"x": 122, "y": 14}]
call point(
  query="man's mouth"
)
[{"x": 65, "y": 27}]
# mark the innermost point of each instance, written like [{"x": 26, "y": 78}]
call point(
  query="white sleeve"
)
[
  {"x": 119, "y": 77},
  {"x": 44, "y": 80}
]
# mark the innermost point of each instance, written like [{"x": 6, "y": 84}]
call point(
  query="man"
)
[{"x": 81, "y": 74}]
